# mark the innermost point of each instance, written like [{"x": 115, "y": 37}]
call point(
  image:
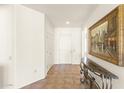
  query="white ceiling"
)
[{"x": 58, "y": 14}]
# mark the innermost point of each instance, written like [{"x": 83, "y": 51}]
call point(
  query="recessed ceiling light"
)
[{"x": 67, "y": 22}]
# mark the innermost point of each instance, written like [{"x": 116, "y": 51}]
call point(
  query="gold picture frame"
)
[{"x": 103, "y": 36}]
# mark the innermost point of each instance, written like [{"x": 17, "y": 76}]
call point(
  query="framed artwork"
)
[{"x": 103, "y": 37}]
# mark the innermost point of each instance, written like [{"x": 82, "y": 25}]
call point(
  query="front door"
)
[{"x": 65, "y": 48}]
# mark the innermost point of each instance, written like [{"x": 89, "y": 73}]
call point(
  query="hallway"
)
[
  {"x": 60, "y": 77},
  {"x": 42, "y": 45}
]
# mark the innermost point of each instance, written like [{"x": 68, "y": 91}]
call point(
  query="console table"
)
[{"x": 106, "y": 76}]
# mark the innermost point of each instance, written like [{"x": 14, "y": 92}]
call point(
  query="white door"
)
[
  {"x": 76, "y": 47},
  {"x": 65, "y": 56},
  {"x": 68, "y": 46}
]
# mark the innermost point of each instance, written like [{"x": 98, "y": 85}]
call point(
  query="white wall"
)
[
  {"x": 76, "y": 43},
  {"x": 100, "y": 12},
  {"x": 29, "y": 46},
  {"x": 49, "y": 44},
  {"x": 6, "y": 53},
  {"x": 26, "y": 45},
  {"x": 84, "y": 41}
]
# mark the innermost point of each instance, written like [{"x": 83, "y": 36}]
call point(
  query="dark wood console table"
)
[{"x": 106, "y": 76}]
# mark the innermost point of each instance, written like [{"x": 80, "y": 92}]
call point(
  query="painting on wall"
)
[{"x": 103, "y": 38}]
